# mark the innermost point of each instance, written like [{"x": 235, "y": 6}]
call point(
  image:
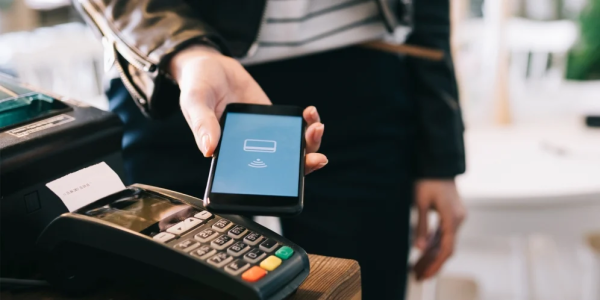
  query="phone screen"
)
[{"x": 259, "y": 155}]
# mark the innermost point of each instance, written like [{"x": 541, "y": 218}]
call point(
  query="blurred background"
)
[{"x": 529, "y": 75}]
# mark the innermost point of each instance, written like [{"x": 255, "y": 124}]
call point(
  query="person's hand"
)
[
  {"x": 209, "y": 81},
  {"x": 441, "y": 196}
]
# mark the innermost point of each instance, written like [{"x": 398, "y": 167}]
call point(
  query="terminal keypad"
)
[{"x": 228, "y": 246}]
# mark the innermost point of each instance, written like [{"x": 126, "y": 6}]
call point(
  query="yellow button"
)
[{"x": 270, "y": 263}]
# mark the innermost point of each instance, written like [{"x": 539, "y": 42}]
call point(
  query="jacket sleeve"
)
[
  {"x": 440, "y": 145},
  {"x": 140, "y": 37}
]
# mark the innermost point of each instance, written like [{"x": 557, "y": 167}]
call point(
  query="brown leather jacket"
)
[{"x": 141, "y": 36}]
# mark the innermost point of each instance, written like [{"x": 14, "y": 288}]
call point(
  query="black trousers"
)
[{"x": 358, "y": 205}]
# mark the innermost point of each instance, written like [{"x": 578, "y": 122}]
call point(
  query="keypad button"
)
[
  {"x": 222, "y": 242},
  {"x": 203, "y": 215},
  {"x": 220, "y": 259},
  {"x": 177, "y": 229},
  {"x": 284, "y": 252},
  {"x": 237, "y": 266},
  {"x": 268, "y": 245},
  {"x": 192, "y": 223},
  {"x": 237, "y": 232},
  {"x": 206, "y": 235},
  {"x": 270, "y": 263},
  {"x": 163, "y": 237},
  {"x": 238, "y": 249},
  {"x": 253, "y": 238},
  {"x": 204, "y": 252},
  {"x": 184, "y": 226},
  {"x": 187, "y": 245},
  {"x": 254, "y": 256},
  {"x": 222, "y": 225},
  {"x": 254, "y": 274}
]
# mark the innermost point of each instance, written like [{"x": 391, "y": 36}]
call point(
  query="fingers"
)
[
  {"x": 443, "y": 197},
  {"x": 451, "y": 216},
  {"x": 314, "y": 161},
  {"x": 311, "y": 115},
  {"x": 313, "y": 136},
  {"x": 202, "y": 120},
  {"x": 422, "y": 226},
  {"x": 443, "y": 247},
  {"x": 427, "y": 257},
  {"x": 315, "y": 130},
  {"x": 446, "y": 248}
]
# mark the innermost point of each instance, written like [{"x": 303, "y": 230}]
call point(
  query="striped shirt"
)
[{"x": 298, "y": 27}]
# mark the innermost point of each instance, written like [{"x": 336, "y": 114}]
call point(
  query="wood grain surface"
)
[{"x": 330, "y": 278}]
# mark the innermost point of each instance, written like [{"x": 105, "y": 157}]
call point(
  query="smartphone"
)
[{"x": 258, "y": 166}]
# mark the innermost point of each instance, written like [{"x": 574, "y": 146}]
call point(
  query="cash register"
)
[
  {"x": 168, "y": 244},
  {"x": 43, "y": 137}
]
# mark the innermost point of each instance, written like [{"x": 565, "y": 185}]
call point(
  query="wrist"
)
[{"x": 183, "y": 57}]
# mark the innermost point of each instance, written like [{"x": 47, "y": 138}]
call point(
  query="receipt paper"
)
[{"x": 85, "y": 186}]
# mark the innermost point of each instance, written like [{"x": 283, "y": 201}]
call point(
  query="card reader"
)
[{"x": 170, "y": 245}]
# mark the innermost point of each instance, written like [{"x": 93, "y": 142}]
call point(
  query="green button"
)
[{"x": 284, "y": 252}]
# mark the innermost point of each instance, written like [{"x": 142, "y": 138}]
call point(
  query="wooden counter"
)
[{"x": 330, "y": 278}]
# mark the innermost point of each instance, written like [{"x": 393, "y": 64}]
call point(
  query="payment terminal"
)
[{"x": 171, "y": 246}]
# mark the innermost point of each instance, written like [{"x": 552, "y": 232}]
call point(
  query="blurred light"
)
[{"x": 46, "y": 4}]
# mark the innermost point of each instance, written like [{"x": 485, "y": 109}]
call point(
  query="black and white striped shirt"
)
[{"x": 299, "y": 27}]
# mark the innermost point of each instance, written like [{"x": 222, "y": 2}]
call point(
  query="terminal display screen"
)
[{"x": 142, "y": 211}]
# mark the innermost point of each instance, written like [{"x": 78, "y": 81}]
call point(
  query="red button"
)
[{"x": 254, "y": 274}]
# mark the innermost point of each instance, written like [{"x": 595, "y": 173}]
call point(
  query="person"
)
[{"x": 394, "y": 127}]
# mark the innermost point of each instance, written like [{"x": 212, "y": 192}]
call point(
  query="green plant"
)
[{"x": 584, "y": 59}]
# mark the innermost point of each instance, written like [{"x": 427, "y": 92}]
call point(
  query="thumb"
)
[
  {"x": 422, "y": 230},
  {"x": 202, "y": 120}
]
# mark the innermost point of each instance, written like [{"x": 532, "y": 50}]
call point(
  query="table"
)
[
  {"x": 531, "y": 179},
  {"x": 330, "y": 278},
  {"x": 543, "y": 162}
]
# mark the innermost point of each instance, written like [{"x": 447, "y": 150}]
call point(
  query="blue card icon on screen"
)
[
  {"x": 260, "y": 146},
  {"x": 258, "y": 164}
]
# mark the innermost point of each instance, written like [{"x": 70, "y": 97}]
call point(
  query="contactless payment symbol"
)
[
  {"x": 257, "y": 164},
  {"x": 260, "y": 146}
]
